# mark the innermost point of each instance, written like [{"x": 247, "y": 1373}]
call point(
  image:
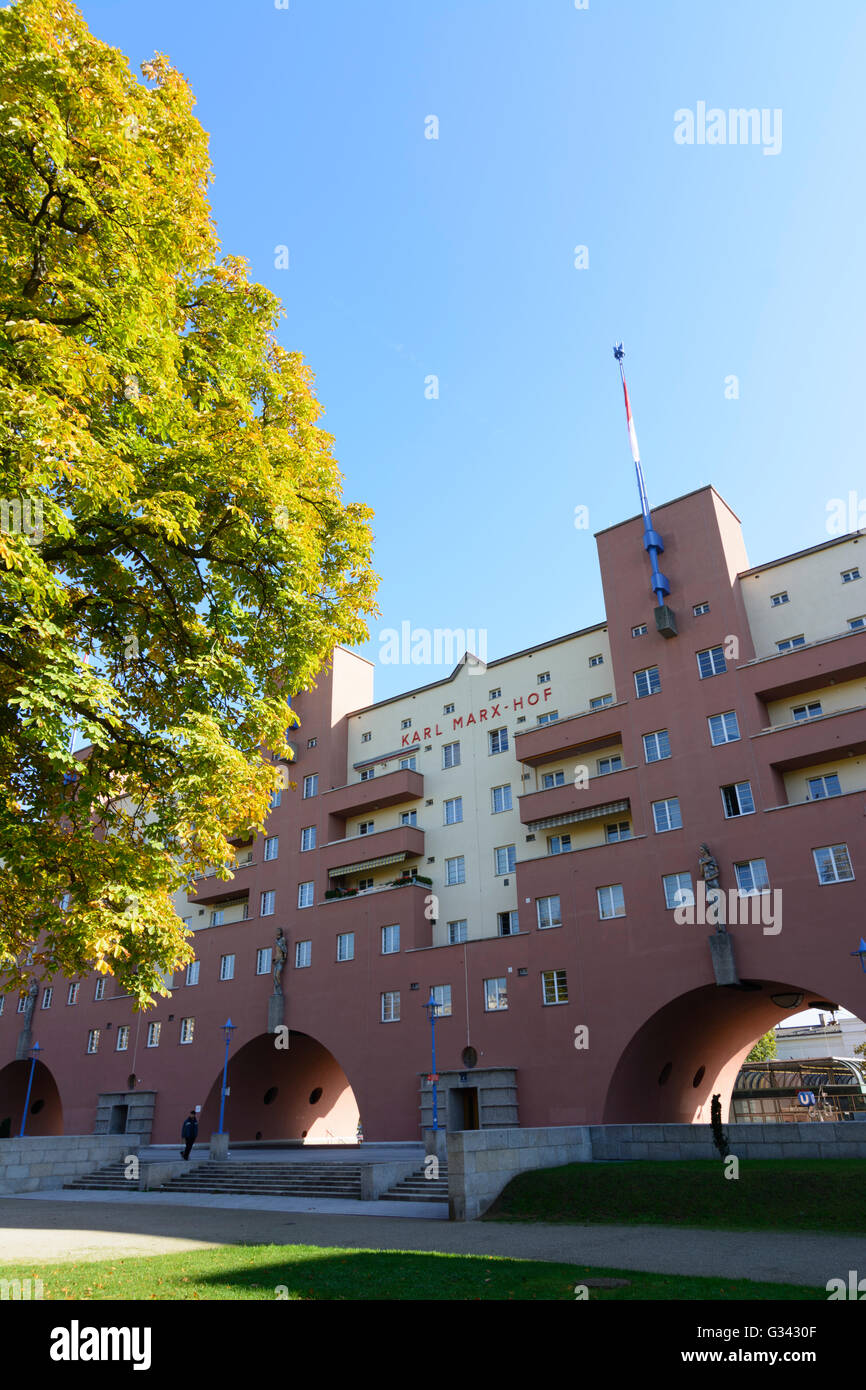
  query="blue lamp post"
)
[
  {"x": 432, "y": 1009},
  {"x": 36, "y": 1049},
  {"x": 228, "y": 1028},
  {"x": 861, "y": 952}
]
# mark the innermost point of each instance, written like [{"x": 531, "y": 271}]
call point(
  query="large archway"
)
[
  {"x": 300, "y": 1092},
  {"x": 44, "y": 1110},
  {"x": 693, "y": 1047}
]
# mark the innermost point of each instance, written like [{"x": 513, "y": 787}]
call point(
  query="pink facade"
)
[{"x": 661, "y": 1036}]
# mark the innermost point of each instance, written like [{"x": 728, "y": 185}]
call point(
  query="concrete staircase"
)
[
  {"x": 340, "y": 1180},
  {"x": 417, "y": 1188},
  {"x": 109, "y": 1178}
]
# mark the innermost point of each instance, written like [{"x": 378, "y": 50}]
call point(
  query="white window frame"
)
[
  {"x": 813, "y": 709},
  {"x": 389, "y": 1011},
  {"x": 715, "y": 660},
  {"x": 559, "y": 844},
  {"x": 453, "y": 810},
  {"x": 93, "y": 1041},
  {"x": 615, "y": 901},
  {"x": 390, "y": 940},
  {"x": 657, "y": 740},
  {"x": 267, "y": 903},
  {"x": 549, "y": 911},
  {"x": 303, "y": 955},
  {"x": 558, "y": 982},
  {"x": 345, "y": 946},
  {"x": 603, "y": 771},
  {"x": 153, "y": 1032},
  {"x": 458, "y": 931},
  {"x": 557, "y": 780},
  {"x": 789, "y": 644},
  {"x": 677, "y": 892},
  {"x": 460, "y": 871},
  {"x": 834, "y": 861},
  {"x": 187, "y": 1031},
  {"x": 510, "y": 853},
  {"x": 47, "y": 996},
  {"x": 227, "y": 966},
  {"x": 752, "y": 877},
  {"x": 848, "y": 576},
  {"x": 699, "y": 609},
  {"x": 724, "y": 716},
  {"x": 666, "y": 802},
  {"x": 652, "y": 681},
  {"x": 600, "y": 701},
  {"x": 512, "y": 924},
  {"x": 99, "y": 991},
  {"x": 271, "y": 848},
  {"x": 639, "y": 630},
  {"x": 497, "y": 740},
  {"x": 776, "y": 600},
  {"x": 505, "y": 798},
  {"x": 306, "y": 893},
  {"x": 264, "y": 960},
  {"x": 496, "y": 994},
  {"x": 823, "y": 794},
  {"x": 308, "y": 838},
  {"x": 192, "y": 972},
  {"x": 121, "y": 1043},
  {"x": 72, "y": 994},
  {"x": 311, "y": 786},
  {"x": 737, "y": 787},
  {"x": 451, "y": 758},
  {"x": 442, "y": 998}
]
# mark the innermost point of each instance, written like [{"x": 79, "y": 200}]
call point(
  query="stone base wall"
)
[
  {"x": 482, "y": 1162},
  {"x": 32, "y": 1165}
]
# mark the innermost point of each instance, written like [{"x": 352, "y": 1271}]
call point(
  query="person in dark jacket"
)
[{"x": 189, "y": 1133}]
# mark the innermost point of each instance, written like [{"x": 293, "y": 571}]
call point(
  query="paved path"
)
[{"x": 53, "y": 1229}]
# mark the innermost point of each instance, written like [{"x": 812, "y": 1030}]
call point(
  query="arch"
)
[
  {"x": 45, "y": 1111},
  {"x": 691, "y": 1049},
  {"x": 300, "y": 1092}
]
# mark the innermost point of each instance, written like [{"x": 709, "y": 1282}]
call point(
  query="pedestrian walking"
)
[{"x": 189, "y": 1133}]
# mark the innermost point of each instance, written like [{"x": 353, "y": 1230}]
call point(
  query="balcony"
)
[
  {"x": 596, "y": 728},
  {"x": 210, "y": 889},
  {"x": 382, "y": 907},
  {"x": 830, "y": 736},
  {"x": 375, "y": 794},
  {"x": 393, "y": 846},
  {"x": 827, "y": 661},
  {"x": 604, "y": 796}
]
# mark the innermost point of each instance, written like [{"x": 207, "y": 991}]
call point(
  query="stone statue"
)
[
  {"x": 281, "y": 954},
  {"x": 32, "y": 995},
  {"x": 709, "y": 868}
]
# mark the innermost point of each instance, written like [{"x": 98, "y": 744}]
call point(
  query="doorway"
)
[
  {"x": 117, "y": 1123},
  {"x": 463, "y": 1107}
]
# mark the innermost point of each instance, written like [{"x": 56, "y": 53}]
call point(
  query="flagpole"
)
[{"x": 653, "y": 543}]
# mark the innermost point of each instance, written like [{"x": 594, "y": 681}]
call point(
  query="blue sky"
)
[{"x": 411, "y": 257}]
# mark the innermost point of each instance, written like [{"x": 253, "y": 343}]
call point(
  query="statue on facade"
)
[
  {"x": 281, "y": 955},
  {"x": 32, "y": 995},
  {"x": 709, "y": 868}
]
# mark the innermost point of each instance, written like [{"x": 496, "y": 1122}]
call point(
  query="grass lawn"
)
[
  {"x": 824, "y": 1195},
  {"x": 313, "y": 1272}
]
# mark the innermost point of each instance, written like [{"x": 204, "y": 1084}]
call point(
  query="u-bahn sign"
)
[{"x": 806, "y": 1097}]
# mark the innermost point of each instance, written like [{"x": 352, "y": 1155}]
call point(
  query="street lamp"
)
[
  {"x": 228, "y": 1028},
  {"x": 432, "y": 1009},
  {"x": 861, "y": 952},
  {"x": 36, "y": 1049}
]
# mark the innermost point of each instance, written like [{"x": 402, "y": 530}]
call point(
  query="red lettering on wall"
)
[
  {"x": 438, "y": 730},
  {"x": 482, "y": 715},
  {"x": 416, "y": 737},
  {"x": 470, "y": 719},
  {"x": 494, "y": 713},
  {"x": 405, "y": 743},
  {"x": 457, "y": 722},
  {"x": 426, "y": 733},
  {"x": 548, "y": 691},
  {"x": 533, "y": 698},
  {"x": 518, "y": 704}
]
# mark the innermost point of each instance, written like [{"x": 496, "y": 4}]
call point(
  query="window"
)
[
  {"x": 544, "y": 678},
  {"x": 451, "y": 755},
  {"x": 122, "y": 1043},
  {"x": 391, "y": 1006},
  {"x": 700, "y": 608},
  {"x": 678, "y": 890},
  {"x": 192, "y": 973},
  {"x": 855, "y": 624},
  {"x": 495, "y": 994},
  {"x": 833, "y": 863},
  {"x": 276, "y": 798},
  {"x": 72, "y": 994},
  {"x": 666, "y": 814},
  {"x": 457, "y": 931},
  {"x": 346, "y": 946},
  {"x": 776, "y": 600},
  {"x": 455, "y": 870},
  {"x": 611, "y": 901},
  {"x": 411, "y": 763},
  {"x": 791, "y": 642},
  {"x": 264, "y": 957},
  {"x": 821, "y": 787},
  {"x": 308, "y": 838},
  {"x": 22, "y": 1003},
  {"x": 849, "y": 575},
  {"x": 408, "y": 817},
  {"x": 554, "y": 987},
  {"x": 366, "y": 737},
  {"x": 312, "y": 742},
  {"x": 549, "y": 717},
  {"x": 711, "y": 662},
  {"x": 506, "y": 858},
  {"x": 558, "y": 844},
  {"x": 366, "y": 827},
  {"x": 364, "y": 884},
  {"x": 2, "y": 1003},
  {"x": 507, "y": 923},
  {"x": 497, "y": 741},
  {"x": 47, "y": 996},
  {"x": 495, "y": 694},
  {"x": 501, "y": 799},
  {"x": 272, "y": 847},
  {"x": 268, "y": 904},
  {"x": 810, "y": 711},
  {"x": 752, "y": 877},
  {"x": 217, "y": 917},
  {"x": 454, "y": 810},
  {"x": 737, "y": 799},
  {"x": 549, "y": 912},
  {"x": 306, "y": 893},
  {"x": 447, "y": 709},
  {"x": 99, "y": 992},
  {"x": 617, "y": 830},
  {"x": 93, "y": 1040},
  {"x": 597, "y": 660},
  {"x": 405, "y": 723},
  {"x": 390, "y": 940},
  {"x": 657, "y": 746},
  {"x": 724, "y": 728},
  {"x": 552, "y": 779},
  {"x": 227, "y": 967},
  {"x": 153, "y": 1032},
  {"x": 639, "y": 630},
  {"x": 367, "y": 773},
  {"x": 599, "y": 701},
  {"x": 442, "y": 997},
  {"x": 647, "y": 682},
  {"x": 311, "y": 784},
  {"x": 303, "y": 954},
  {"x": 611, "y": 764},
  {"x": 187, "y": 1030}
]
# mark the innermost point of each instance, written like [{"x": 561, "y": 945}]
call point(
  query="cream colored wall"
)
[
  {"x": 819, "y": 604},
  {"x": 572, "y": 683},
  {"x": 850, "y": 771},
  {"x": 845, "y": 695}
]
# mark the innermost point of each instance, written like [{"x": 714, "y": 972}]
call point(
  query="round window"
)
[
  {"x": 315, "y": 1095},
  {"x": 469, "y": 1057},
  {"x": 270, "y": 1095}
]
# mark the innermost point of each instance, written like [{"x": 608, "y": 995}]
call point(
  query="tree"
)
[
  {"x": 177, "y": 558},
  {"x": 764, "y": 1049}
]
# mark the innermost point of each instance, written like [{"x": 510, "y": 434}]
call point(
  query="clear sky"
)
[{"x": 412, "y": 257}]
